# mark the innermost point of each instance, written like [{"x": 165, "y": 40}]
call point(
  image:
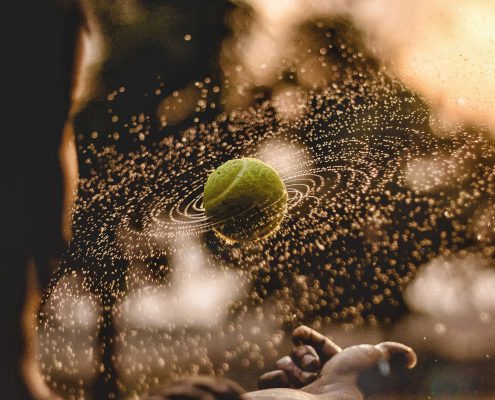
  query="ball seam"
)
[{"x": 231, "y": 184}]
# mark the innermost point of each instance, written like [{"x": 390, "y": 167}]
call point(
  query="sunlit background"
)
[{"x": 177, "y": 306}]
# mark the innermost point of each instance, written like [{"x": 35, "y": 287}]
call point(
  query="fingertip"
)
[
  {"x": 395, "y": 350},
  {"x": 310, "y": 363},
  {"x": 324, "y": 347},
  {"x": 273, "y": 379},
  {"x": 412, "y": 359},
  {"x": 296, "y": 377},
  {"x": 306, "y": 358},
  {"x": 284, "y": 363},
  {"x": 301, "y": 334}
]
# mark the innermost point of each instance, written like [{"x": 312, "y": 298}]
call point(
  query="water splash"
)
[{"x": 374, "y": 192}]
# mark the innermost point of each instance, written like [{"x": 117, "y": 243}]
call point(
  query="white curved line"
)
[{"x": 233, "y": 182}]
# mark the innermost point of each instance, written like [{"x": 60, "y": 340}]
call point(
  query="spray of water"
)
[{"x": 374, "y": 192}]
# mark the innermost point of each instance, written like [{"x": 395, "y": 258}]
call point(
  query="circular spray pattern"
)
[{"x": 183, "y": 213}]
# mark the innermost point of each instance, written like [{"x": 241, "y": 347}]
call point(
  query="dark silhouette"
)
[{"x": 38, "y": 49}]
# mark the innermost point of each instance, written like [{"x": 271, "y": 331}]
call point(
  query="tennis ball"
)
[{"x": 246, "y": 200}]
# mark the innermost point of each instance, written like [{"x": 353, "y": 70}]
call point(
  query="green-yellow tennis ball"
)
[{"x": 246, "y": 200}]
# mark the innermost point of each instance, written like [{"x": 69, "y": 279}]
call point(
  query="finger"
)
[
  {"x": 306, "y": 358},
  {"x": 297, "y": 377},
  {"x": 399, "y": 354},
  {"x": 358, "y": 358},
  {"x": 391, "y": 361},
  {"x": 274, "y": 379},
  {"x": 324, "y": 347}
]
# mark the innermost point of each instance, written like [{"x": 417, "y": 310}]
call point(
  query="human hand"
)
[
  {"x": 312, "y": 350},
  {"x": 349, "y": 374}
]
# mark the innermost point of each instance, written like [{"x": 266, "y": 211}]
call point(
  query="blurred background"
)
[{"x": 167, "y": 90}]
